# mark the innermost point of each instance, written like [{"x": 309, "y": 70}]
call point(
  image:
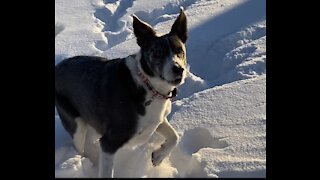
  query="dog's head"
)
[{"x": 163, "y": 56}]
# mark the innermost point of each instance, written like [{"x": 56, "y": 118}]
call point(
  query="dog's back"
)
[{"x": 106, "y": 85}]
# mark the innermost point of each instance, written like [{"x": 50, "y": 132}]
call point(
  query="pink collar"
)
[{"x": 154, "y": 92}]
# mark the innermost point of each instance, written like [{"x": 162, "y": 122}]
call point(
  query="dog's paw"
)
[{"x": 157, "y": 156}]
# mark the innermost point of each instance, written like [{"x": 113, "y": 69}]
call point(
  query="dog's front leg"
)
[
  {"x": 106, "y": 155},
  {"x": 105, "y": 164},
  {"x": 171, "y": 136},
  {"x": 110, "y": 142}
]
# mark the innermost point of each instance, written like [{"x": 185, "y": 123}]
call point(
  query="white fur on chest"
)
[
  {"x": 155, "y": 112},
  {"x": 147, "y": 124}
]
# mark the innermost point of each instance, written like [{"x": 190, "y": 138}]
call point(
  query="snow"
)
[{"x": 220, "y": 111}]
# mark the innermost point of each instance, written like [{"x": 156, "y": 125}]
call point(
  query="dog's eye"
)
[{"x": 179, "y": 52}]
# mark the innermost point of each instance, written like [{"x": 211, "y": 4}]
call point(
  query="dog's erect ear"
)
[
  {"x": 142, "y": 30},
  {"x": 179, "y": 27}
]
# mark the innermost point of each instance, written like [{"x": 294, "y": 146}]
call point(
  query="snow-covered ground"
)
[{"x": 220, "y": 112}]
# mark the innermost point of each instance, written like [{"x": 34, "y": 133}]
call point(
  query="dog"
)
[{"x": 125, "y": 100}]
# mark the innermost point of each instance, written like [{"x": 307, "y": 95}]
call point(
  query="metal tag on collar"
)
[{"x": 173, "y": 93}]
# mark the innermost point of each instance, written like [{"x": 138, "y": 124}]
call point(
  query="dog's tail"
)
[{"x": 58, "y": 28}]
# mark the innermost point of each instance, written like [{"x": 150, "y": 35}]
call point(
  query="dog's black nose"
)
[{"x": 178, "y": 70}]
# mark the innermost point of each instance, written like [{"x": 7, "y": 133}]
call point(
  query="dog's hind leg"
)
[
  {"x": 92, "y": 146},
  {"x": 72, "y": 122},
  {"x": 79, "y": 137},
  {"x": 171, "y": 136},
  {"x": 67, "y": 114}
]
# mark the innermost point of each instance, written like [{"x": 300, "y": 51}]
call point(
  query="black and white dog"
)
[{"x": 124, "y": 100}]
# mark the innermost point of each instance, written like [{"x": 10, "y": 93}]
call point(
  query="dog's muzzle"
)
[
  {"x": 178, "y": 73},
  {"x": 177, "y": 70}
]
